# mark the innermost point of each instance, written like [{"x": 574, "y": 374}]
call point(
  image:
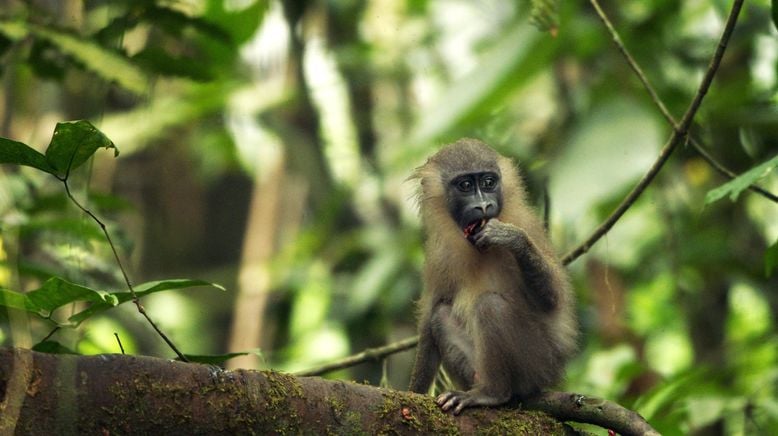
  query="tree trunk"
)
[{"x": 116, "y": 394}]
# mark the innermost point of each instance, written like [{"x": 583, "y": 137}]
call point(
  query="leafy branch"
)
[
  {"x": 72, "y": 144},
  {"x": 718, "y": 166},
  {"x": 135, "y": 299},
  {"x": 680, "y": 133}
]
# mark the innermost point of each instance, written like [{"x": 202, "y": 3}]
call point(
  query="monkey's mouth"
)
[{"x": 474, "y": 227}]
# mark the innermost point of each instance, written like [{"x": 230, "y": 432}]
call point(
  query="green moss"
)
[
  {"x": 523, "y": 423},
  {"x": 418, "y": 415},
  {"x": 350, "y": 420},
  {"x": 279, "y": 391}
]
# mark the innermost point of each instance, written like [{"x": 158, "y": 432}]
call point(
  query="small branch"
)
[
  {"x": 51, "y": 333},
  {"x": 568, "y": 406},
  {"x": 370, "y": 354},
  {"x": 661, "y": 106},
  {"x": 728, "y": 173},
  {"x": 119, "y": 341},
  {"x": 135, "y": 298},
  {"x": 633, "y": 64},
  {"x": 677, "y": 137}
]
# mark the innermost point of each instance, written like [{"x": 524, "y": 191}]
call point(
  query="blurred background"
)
[{"x": 265, "y": 146}]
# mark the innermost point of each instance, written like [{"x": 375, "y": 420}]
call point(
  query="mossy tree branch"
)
[{"x": 117, "y": 394}]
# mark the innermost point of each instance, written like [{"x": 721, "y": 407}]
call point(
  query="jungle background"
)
[{"x": 265, "y": 146}]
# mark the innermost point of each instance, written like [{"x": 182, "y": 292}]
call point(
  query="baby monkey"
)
[{"x": 497, "y": 311}]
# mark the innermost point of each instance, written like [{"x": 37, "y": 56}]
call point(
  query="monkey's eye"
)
[
  {"x": 465, "y": 185},
  {"x": 488, "y": 183}
]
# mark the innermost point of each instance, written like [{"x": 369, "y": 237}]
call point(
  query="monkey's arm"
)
[
  {"x": 425, "y": 367},
  {"x": 541, "y": 273}
]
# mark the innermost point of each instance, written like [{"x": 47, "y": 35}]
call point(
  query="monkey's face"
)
[{"x": 473, "y": 199}]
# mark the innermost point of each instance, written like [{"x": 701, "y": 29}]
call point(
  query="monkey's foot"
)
[{"x": 458, "y": 400}]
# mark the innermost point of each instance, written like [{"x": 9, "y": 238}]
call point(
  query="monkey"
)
[{"x": 497, "y": 311}]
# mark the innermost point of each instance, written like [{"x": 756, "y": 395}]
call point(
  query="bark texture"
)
[{"x": 117, "y": 394}]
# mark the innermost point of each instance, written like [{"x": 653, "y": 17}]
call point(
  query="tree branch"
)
[
  {"x": 677, "y": 137},
  {"x": 663, "y": 109},
  {"x": 568, "y": 406},
  {"x": 117, "y": 394},
  {"x": 370, "y": 354}
]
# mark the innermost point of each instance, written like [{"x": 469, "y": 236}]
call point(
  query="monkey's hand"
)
[
  {"x": 458, "y": 400},
  {"x": 498, "y": 234}
]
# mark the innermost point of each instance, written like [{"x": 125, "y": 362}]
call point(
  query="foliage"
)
[
  {"x": 71, "y": 145},
  {"x": 677, "y": 301},
  {"x": 734, "y": 187}
]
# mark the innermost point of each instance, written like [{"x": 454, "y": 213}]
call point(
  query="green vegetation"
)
[{"x": 265, "y": 147}]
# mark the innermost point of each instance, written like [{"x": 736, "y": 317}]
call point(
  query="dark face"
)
[{"x": 473, "y": 199}]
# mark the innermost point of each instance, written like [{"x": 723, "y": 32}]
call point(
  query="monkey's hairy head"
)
[
  {"x": 464, "y": 185},
  {"x": 464, "y": 156}
]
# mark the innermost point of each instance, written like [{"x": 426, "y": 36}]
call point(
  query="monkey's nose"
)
[{"x": 483, "y": 207}]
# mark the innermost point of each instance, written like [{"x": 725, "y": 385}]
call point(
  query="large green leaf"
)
[
  {"x": 734, "y": 187},
  {"x": 73, "y": 143},
  {"x": 55, "y": 292},
  {"x": 13, "y": 152},
  {"x": 14, "y": 300},
  {"x": 140, "y": 291},
  {"x": 106, "y": 63}
]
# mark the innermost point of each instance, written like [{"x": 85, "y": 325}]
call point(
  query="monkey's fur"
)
[{"x": 497, "y": 311}]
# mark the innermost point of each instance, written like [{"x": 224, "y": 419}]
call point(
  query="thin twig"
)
[
  {"x": 135, "y": 298},
  {"x": 677, "y": 137},
  {"x": 51, "y": 333},
  {"x": 371, "y": 354},
  {"x": 661, "y": 106},
  {"x": 119, "y": 341}
]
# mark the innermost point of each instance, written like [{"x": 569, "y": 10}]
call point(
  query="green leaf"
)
[
  {"x": 771, "y": 259},
  {"x": 106, "y": 63},
  {"x": 734, "y": 187},
  {"x": 73, "y": 143},
  {"x": 57, "y": 292},
  {"x": 13, "y": 152},
  {"x": 14, "y": 300},
  {"x": 13, "y": 30},
  {"x": 52, "y": 347},
  {"x": 215, "y": 359},
  {"x": 140, "y": 290},
  {"x": 240, "y": 24}
]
